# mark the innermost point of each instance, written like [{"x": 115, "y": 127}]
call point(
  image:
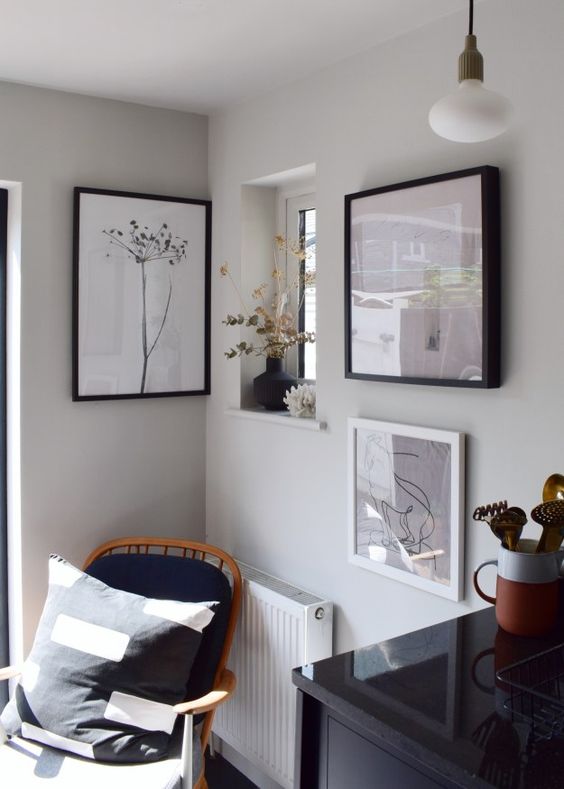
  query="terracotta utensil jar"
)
[{"x": 526, "y": 601}]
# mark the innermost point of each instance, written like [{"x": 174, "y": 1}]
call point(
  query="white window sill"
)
[{"x": 277, "y": 417}]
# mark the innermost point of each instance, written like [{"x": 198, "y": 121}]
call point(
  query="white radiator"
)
[{"x": 281, "y": 627}]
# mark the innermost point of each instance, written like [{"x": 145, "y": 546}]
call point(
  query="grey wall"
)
[
  {"x": 93, "y": 471},
  {"x": 277, "y": 496}
]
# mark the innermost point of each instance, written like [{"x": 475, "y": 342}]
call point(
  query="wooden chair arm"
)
[
  {"x": 222, "y": 691},
  {"x": 9, "y": 672}
]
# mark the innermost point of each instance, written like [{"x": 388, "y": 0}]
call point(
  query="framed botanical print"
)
[{"x": 141, "y": 310}]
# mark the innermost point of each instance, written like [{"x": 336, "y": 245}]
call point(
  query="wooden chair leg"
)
[{"x": 201, "y": 783}]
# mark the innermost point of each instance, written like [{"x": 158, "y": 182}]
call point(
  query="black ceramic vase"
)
[{"x": 270, "y": 387}]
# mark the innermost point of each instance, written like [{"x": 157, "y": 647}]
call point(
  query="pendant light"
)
[{"x": 471, "y": 113}]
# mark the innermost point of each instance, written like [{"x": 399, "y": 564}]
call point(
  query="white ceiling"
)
[{"x": 196, "y": 55}]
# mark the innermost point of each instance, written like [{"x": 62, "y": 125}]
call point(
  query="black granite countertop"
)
[{"x": 433, "y": 695}]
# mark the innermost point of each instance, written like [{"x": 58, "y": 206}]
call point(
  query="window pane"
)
[{"x": 307, "y": 310}]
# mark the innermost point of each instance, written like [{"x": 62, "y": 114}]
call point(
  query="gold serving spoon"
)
[
  {"x": 553, "y": 488},
  {"x": 505, "y": 522},
  {"x": 508, "y": 527},
  {"x": 550, "y": 515}
]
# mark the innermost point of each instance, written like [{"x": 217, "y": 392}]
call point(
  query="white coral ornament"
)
[{"x": 301, "y": 400}]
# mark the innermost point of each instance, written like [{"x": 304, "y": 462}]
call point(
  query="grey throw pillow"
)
[{"x": 105, "y": 669}]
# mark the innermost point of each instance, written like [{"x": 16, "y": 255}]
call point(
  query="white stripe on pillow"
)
[
  {"x": 92, "y": 639},
  {"x": 30, "y": 675},
  {"x": 194, "y": 615},
  {"x": 56, "y": 741},
  {"x": 63, "y": 574},
  {"x": 143, "y": 713}
]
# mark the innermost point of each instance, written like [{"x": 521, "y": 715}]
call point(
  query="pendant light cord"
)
[{"x": 470, "y": 62}]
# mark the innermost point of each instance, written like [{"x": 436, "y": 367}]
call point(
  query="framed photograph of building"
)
[
  {"x": 422, "y": 281},
  {"x": 141, "y": 306},
  {"x": 406, "y": 504}
]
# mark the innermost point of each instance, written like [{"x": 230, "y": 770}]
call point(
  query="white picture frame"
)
[{"x": 406, "y": 504}]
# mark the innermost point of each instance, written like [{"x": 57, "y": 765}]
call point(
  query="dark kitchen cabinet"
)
[{"x": 422, "y": 711}]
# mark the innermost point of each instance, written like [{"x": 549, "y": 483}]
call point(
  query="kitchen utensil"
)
[
  {"x": 553, "y": 487},
  {"x": 487, "y": 512},
  {"x": 508, "y": 526},
  {"x": 550, "y": 515},
  {"x": 505, "y": 522}
]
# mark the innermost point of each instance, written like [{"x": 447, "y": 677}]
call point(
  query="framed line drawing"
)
[
  {"x": 422, "y": 281},
  {"x": 406, "y": 504},
  {"x": 141, "y": 295}
]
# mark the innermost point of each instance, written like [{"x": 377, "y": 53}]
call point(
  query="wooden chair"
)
[{"x": 166, "y": 569}]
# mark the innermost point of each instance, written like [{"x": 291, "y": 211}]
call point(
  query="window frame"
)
[{"x": 4, "y": 626}]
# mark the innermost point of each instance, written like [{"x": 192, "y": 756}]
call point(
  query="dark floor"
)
[{"x": 220, "y": 774}]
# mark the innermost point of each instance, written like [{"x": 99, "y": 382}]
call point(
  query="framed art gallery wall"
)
[
  {"x": 141, "y": 295},
  {"x": 422, "y": 281},
  {"x": 366, "y": 130}
]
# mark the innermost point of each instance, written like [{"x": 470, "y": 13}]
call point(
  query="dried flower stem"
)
[{"x": 276, "y": 324}]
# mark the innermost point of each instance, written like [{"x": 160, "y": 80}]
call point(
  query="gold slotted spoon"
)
[{"x": 550, "y": 515}]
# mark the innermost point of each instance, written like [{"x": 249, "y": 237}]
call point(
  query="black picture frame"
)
[
  {"x": 422, "y": 281},
  {"x": 141, "y": 295}
]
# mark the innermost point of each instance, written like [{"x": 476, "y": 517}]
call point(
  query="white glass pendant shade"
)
[{"x": 470, "y": 114}]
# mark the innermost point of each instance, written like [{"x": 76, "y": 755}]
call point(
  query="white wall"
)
[
  {"x": 277, "y": 496},
  {"x": 93, "y": 470}
]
